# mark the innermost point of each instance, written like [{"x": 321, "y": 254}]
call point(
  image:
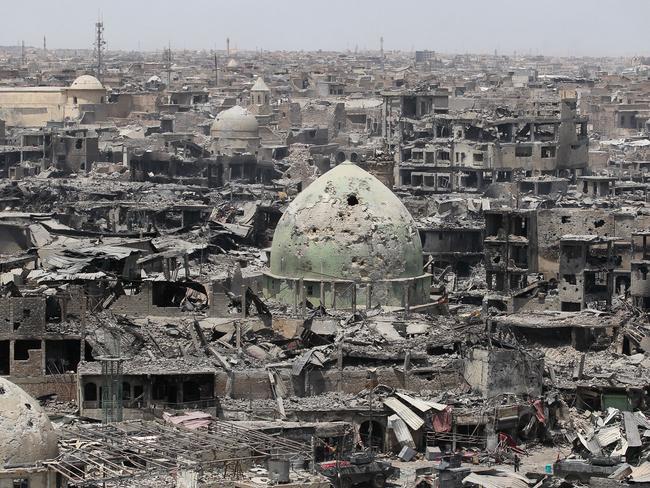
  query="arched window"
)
[{"x": 372, "y": 435}]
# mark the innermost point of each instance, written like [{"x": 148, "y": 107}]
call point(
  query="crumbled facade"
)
[{"x": 311, "y": 269}]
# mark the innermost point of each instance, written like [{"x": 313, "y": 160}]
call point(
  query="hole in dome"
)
[
  {"x": 28, "y": 406},
  {"x": 352, "y": 200}
]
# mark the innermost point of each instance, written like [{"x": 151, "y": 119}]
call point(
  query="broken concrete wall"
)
[
  {"x": 27, "y": 359},
  {"x": 571, "y": 287},
  {"x": 499, "y": 371},
  {"x": 27, "y": 369},
  {"x": 530, "y": 157},
  {"x": 136, "y": 304},
  {"x": 22, "y": 315},
  {"x": 254, "y": 384},
  {"x": 573, "y": 148},
  {"x": 289, "y": 115},
  {"x": 554, "y": 223},
  {"x": 640, "y": 284}
]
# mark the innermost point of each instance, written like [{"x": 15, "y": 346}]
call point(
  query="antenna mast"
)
[{"x": 99, "y": 44}]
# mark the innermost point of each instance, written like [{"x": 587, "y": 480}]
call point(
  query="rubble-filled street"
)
[{"x": 243, "y": 267}]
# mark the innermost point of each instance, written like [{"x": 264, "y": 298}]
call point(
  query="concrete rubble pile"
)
[{"x": 246, "y": 269}]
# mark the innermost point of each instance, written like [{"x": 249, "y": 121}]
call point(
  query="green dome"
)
[{"x": 347, "y": 225}]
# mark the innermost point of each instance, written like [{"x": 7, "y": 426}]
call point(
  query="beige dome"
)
[
  {"x": 87, "y": 82},
  {"x": 26, "y": 434},
  {"x": 237, "y": 123}
]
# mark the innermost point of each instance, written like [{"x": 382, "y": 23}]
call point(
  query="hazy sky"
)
[{"x": 552, "y": 27}]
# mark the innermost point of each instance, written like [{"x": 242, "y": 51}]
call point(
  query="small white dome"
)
[
  {"x": 236, "y": 122},
  {"x": 26, "y": 434},
  {"x": 87, "y": 82}
]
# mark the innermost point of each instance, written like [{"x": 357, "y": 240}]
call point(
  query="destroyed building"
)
[
  {"x": 444, "y": 151},
  {"x": 306, "y": 268}
]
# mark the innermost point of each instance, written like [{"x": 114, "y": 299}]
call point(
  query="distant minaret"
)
[
  {"x": 228, "y": 46},
  {"x": 216, "y": 69},
  {"x": 22, "y": 53},
  {"x": 168, "y": 64},
  {"x": 381, "y": 47},
  {"x": 44, "y": 45}
]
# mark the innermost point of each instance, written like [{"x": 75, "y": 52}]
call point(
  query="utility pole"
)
[{"x": 100, "y": 44}]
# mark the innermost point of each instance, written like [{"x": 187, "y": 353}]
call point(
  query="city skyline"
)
[{"x": 561, "y": 29}]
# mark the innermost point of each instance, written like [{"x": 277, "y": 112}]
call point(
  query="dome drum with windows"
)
[{"x": 347, "y": 238}]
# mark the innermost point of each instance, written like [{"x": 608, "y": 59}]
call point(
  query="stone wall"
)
[
  {"x": 552, "y": 224},
  {"x": 22, "y": 315},
  {"x": 499, "y": 371},
  {"x": 254, "y": 384}
]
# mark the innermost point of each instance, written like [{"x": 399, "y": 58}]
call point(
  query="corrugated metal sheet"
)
[
  {"x": 641, "y": 473},
  {"x": 401, "y": 431},
  {"x": 642, "y": 420},
  {"x": 592, "y": 444},
  {"x": 405, "y": 413},
  {"x": 503, "y": 480},
  {"x": 611, "y": 413},
  {"x": 421, "y": 405},
  {"x": 438, "y": 406},
  {"x": 608, "y": 435},
  {"x": 631, "y": 430}
]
